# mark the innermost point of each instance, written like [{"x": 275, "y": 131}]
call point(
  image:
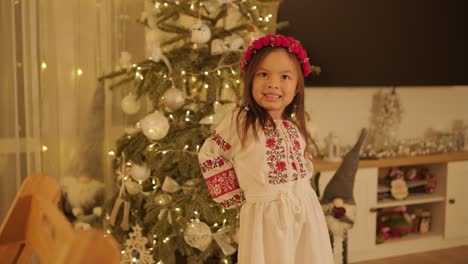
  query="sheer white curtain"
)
[
  {"x": 19, "y": 104},
  {"x": 52, "y": 53},
  {"x": 80, "y": 40},
  {"x": 74, "y": 50}
]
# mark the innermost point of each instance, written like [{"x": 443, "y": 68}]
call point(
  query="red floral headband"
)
[{"x": 293, "y": 46}]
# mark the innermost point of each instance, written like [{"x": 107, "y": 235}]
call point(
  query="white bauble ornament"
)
[
  {"x": 201, "y": 33},
  {"x": 140, "y": 172},
  {"x": 130, "y": 104},
  {"x": 173, "y": 98},
  {"x": 155, "y": 125},
  {"x": 133, "y": 187},
  {"x": 198, "y": 235},
  {"x": 163, "y": 199}
]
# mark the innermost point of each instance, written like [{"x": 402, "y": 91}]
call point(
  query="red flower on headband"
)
[
  {"x": 249, "y": 53},
  {"x": 301, "y": 54},
  {"x": 292, "y": 45},
  {"x": 257, "y": 44},
  {"x": 281, "y": 41}
]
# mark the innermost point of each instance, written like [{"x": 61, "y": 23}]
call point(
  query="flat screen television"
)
[{"x": 381, "y": 42}]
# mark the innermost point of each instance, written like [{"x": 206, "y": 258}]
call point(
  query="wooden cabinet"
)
[
  {"x": 456, "y": 216},
  {"x": 448, "y": 205}
]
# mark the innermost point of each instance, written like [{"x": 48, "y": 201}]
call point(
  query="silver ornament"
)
[
  {"x": 155, "y": 126},
  {"x": 173, "y": 98},
  {"x": 139, "y": 172},
  {"x": 130, "y": 104},
  {"x": 198, "y": 235}
]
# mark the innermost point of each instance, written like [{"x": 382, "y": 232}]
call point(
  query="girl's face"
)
[{"x": 275, "y": 82}]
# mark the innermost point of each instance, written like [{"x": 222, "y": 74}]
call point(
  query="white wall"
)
[{"x": 344, "y": 110}]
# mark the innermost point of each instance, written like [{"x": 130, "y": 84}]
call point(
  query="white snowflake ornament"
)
[{"x": 135, "y": 250}]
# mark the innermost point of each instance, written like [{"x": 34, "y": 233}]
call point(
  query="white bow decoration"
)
[
  {"x": 170, "y": 185},
  {"x": 123, "y": 172},
  {"x": 157, "y": 55},
  {"x": 224, "y": 241},
  {"x": 220, "y": 111},
  {"x": 231, "y": 43}
]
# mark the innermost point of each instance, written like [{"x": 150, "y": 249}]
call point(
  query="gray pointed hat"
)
[{"x": 342, "y": 183}]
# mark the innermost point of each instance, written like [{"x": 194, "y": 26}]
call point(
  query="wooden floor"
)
[{"x": 457, "y": 255}]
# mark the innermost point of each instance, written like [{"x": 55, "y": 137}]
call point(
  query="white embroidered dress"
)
[{"x": 281, "y": 220}]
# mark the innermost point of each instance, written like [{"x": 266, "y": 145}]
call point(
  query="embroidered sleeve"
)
[{"x": 216, "y": 165}]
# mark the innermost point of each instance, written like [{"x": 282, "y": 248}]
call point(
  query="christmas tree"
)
[{"x": 191, "y": 79}]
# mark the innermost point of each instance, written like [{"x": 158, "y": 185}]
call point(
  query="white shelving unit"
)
[
  {"x": 448, "y": 205},
  {"x": 412, "y": 199}
]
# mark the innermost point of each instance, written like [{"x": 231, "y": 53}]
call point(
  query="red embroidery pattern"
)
[
  {"x": 295, "y": 153},
  {"x": 235, "y": 201},
  {"x": 220, "y": 141},
  {"x": 222, "y": 183},
  {"x": 211, "y": 164},
  {"x": 276, "y": 156}
]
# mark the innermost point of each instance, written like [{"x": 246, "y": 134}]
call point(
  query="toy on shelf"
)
[
  {"x": 401, "y": 182},
  {"x": 398, "y": 189},
  {"x": 429, "y": 178},
  {"x": 393, "y": 223},
  {"x": 397, "y": 222},
  {"x": 422, "y": 221}
]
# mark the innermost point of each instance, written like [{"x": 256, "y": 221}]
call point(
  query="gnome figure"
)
[
  {"x": 338, "y": 201},
  {"x": 81, "y": 200}
]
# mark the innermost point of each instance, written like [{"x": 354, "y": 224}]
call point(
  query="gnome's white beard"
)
[
  {"x": 337, "y": 227},
  {"x": 81, "y": 194}
]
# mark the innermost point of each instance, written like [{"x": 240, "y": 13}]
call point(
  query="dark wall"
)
[{"x": 382, "y": 42}]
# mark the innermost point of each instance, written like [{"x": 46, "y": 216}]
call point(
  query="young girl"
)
[{"x": 256, "y": 159}]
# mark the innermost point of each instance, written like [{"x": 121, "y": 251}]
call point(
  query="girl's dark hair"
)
[{"x": 253, "y": 116}]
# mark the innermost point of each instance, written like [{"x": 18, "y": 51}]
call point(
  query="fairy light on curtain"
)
[
  {"x": 78, "y": 70},
  {"x": 97, "y": 47},
  {"x": 77, "y": 103}
]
